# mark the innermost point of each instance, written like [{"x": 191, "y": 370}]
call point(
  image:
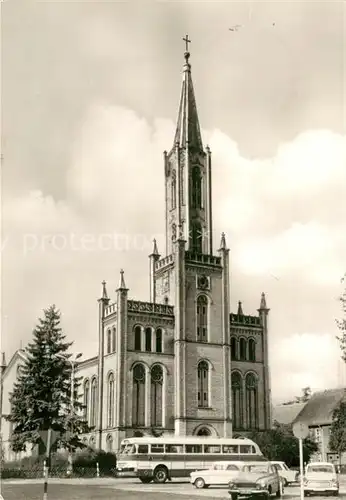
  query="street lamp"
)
[{"x": 73, "y": 362}]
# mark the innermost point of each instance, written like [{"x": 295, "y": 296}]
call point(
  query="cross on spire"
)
[{"x": 187, "y": 41}]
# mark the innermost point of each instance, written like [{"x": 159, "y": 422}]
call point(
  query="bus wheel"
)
[
  {"x": 160, "y": 474},
  {"x": 199, "y": 483},
  {"x": 145, "y": 480}
]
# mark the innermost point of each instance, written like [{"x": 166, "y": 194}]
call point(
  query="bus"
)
[{"x": 160, "y": 458}]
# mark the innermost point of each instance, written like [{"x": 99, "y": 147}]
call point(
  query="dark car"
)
[{"x": 256, "y": 480}]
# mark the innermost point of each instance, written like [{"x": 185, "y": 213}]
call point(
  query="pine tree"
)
[{"x": 41, "y": 398}]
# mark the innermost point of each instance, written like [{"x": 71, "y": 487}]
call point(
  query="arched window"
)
[
  {"x": 202, "y": 318},
  {"x": 138, "y": 403},
  {"x": 252, "y": 350},
  {"x": 148, "y": 339},
  {"x": 86, "y": 394},
  {"x": 93, "y": 402},
  {"x": 92, "y": 442},
  {"x": 109, "y": 443},
  {"x": 237, "y": 400},
  {"x": 110, "y": 398},
  {"x": 251, "y": 401},
  {"x": 159, "y": 340},
  {"x": 196, "y": 238},
  {"x": 204, "y": 431},
  {"x": 242, "y": 349},
  {"x": 233, "y": 348},
  {"x": 113, "y": 338},
  {"x": 138, "y": 338},
  {"x": 174, "y": 232},
  {"x": 109, "y": 341},
  {"x": 203, "y": 384},
  {"x": 156, "y": 395},
  {"x": 196, "y": 188},
  {"x": 174, "y": 190}
]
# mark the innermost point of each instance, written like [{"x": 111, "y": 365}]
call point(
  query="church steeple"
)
[
  {"x": 188, "y": 130},
  {"x": 188, "y": 177}
]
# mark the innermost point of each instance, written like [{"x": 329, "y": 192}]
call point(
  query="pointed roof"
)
[
  {"x": 223, "y": 245},
  {"x": 104, "y": 290},
  {"x": 155, "y": 251},
  {"x": 188, "y": 130},
  {"x": 122, "y": 285},
  {"x": 263, "y": 304},
  {"x": 240, "y": 309},
  {"x": 319, "y": 408}
]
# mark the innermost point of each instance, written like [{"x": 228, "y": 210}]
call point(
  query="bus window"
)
[
  {"x": 232, "y": 467},
  {"x": 212, "y": 449},
  {"x": 157, "y": 448},
  {"x": 233, "y": 449},
  {"x": 245, "y": 448},
  {"x": 219, "y": 467},
  {"x": 143, "y": 448},
  {"x": 193, "y": 448},
  {"x": 174, "y": 448}
]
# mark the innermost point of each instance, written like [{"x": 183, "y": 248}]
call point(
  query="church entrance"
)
[{"x": 204, "y": 431}]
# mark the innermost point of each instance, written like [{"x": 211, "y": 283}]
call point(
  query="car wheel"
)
[
  {"x": 285, "y": 482},
  {"x": 278, "y": 492},
  {"x": 160, "y": 474},
  {"x": 234, "y": 496},
  {"x": 199, "y": 483},
  {"x": 335, "y": 493}
]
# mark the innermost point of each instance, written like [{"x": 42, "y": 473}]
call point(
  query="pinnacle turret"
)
[
  {"x": 263, "y": 304},
  {"x": 122, "y": 285},
  {"x": 240, "y": 309}
]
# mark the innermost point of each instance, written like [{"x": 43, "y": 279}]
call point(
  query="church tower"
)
[{"x": 194, "y": 280}]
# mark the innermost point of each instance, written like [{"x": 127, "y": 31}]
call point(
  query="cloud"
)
[{"x": 283, "y": 216}]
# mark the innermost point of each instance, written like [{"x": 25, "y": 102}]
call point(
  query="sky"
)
[{"x": 90, "y": 94}]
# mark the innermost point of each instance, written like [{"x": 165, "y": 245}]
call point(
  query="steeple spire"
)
[
  {"x": 122, "y": 285},
  {"x": 240, "y": 309},
  {"x": 104, "y": 290},
  {"x": 188, "y": 130}
]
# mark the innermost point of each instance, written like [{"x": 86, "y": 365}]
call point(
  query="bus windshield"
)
[{"x": 127, "y": 449}]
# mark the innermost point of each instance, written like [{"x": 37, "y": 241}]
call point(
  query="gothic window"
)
[
  {"x": 196, "y": 188},
  {"x": 202, "y": 318},
  {"x": 110, "y": 397},
  {"x": 237, "y": 400},
  {"x": 203, "y": 384},
  {"x": 86, "y": 394},
  {"x": 251, "y": 401},
  {"x": 113, "y": 338},
  {"x": 159, "y": 340},
  {"x": 174, "y": 232},
  {"x": 109, "y": 341},
  {"x": 233, "y": 348},
  {"x": 138, "y": 338},
  {"x": 174, "y": 191},
  {"x": 138, "y": 403},
  {"x": 242, "y": 349},
  {"x": 148, "y": 339},
  {"x": 109, "y": 443},
  {"x": 156, "y": 395},
  {"x": 252, "y": 350},
  {"x": 93, "y": 402},
  {"x": 196, "y": 243}
]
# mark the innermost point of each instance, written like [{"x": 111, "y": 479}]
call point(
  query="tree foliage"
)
[
  {"x": 279, "y": 443},
  {"x": 337, "y": 440},
  {"x": 41, "y": 397},
  {"x": 342, "y": 324}
]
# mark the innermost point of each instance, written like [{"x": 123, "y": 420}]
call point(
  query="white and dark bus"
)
[{"x": 159, "y": 459}]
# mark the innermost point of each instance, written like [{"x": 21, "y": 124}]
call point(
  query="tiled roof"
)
[
  {"x": 285, "y": 414},
  {"x": 319, "y": 409}
]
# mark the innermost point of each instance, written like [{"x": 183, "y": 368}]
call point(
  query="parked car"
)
[
  {"x": 219, "y": 474},
  {"x": 288, "y": 475},
  {"x": 321, "y": 477},
  {"x": 256, "y": 480}
]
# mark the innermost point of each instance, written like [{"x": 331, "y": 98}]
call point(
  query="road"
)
[{"x": 121, "y": 489}]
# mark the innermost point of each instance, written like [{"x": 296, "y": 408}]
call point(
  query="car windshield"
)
[
  {"x": 256, "y": 469},
  {"x": 320, "y": 468},
  {"x": 127, "y": 449},
  {"x": 285, "y": 466}
]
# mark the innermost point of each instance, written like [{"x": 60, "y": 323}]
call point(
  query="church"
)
[{"x": 180, "y": 363}]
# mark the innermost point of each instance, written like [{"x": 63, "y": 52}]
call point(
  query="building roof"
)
[
  {"x": 319, "y": 409},
  {"x": 286, "y": 413}
]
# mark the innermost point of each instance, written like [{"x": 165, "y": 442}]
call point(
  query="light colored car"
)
[
  {"x": 256, "y": 481},
  {"x": 321, "y": 477},
  {"x": 288, "y": 475},
  {"x": 220, "y": 474}
]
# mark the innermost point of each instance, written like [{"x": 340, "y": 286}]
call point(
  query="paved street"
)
[{"x": 121, "y": 489}]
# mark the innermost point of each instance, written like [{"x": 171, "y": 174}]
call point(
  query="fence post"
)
[{"x": 97, "y": 470}]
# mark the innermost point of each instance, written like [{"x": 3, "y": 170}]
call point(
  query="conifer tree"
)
[
  {"x": 41, "y": 398},
  {"x": 337, "y": 440}
]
